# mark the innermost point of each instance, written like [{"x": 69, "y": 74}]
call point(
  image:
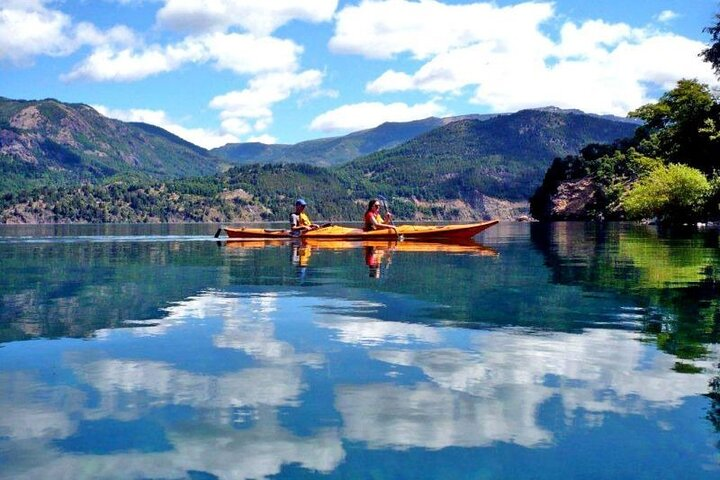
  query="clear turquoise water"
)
[{"x": 544, "y": 352}]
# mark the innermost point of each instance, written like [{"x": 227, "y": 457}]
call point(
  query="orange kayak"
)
[{"x": 336, "y": 232}]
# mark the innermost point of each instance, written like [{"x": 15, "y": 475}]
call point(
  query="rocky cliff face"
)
[
  {"x": 577, "y": 199},
  {"x": 572, "y": 200}
]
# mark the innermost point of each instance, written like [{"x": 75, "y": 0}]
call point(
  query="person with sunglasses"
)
[{"x": 373, "y": 220}]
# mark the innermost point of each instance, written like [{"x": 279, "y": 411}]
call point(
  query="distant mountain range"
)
[
  {"x": 435, "y": 168},
  {"x": 332, "y": 151},
  {"x": 327, "y": 152}
]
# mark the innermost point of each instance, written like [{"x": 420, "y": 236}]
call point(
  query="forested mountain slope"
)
[
  {"x": 48, "y": 142},
  {"x": 503, "y": 157}
]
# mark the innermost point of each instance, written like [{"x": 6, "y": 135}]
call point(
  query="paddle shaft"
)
[{"x": 384, "y": 201}]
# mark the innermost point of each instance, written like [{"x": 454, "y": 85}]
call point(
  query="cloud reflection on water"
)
[
  {"x": 136, "y": 389},
  {"x": 474, "y": 389},
  {"x": 493, "y": 390}
]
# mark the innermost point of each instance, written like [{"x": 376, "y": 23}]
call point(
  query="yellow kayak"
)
[{"x": 336, "y": 232}]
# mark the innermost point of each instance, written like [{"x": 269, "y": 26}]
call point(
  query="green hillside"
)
[
  {"x": 334, "y": 150},
  {"x": 251, "y": 193},
  {"x": 47, "y": 142},
  {"x": 503, "y": 157}
]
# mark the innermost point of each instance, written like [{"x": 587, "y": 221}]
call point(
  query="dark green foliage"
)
[
  {"x": 712, "y": 53},
  {"x": 682, "y": 126},
  {"x": 277, "y": 186}
]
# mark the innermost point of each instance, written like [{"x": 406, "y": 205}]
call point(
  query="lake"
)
[{"x": 566, "y": 350}]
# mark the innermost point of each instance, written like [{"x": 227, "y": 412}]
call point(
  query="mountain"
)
[
  {"x": 464, "y": 170},
  {"x": 339, "y": 150},
  {"x": 615, "y": 118},
  {"x": 47, "y": 141},
  {"x": 504, "y": 157},
  {"x": 335, "y": 150}
]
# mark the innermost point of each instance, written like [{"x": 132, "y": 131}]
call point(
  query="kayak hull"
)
[{"x": 336, "y": 232}]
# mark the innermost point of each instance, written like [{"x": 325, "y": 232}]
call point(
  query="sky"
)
[{"x": 283, "y": 71}]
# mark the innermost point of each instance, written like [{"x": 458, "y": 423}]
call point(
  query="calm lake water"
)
[{"x": 537, "y": 352}]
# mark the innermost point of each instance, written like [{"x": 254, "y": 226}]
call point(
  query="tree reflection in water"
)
[{"x": 674, "y": 275}]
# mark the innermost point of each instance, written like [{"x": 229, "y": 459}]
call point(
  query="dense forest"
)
[
  {"x": 241, "y": 194},
  {"x": 504, "y": 157}
]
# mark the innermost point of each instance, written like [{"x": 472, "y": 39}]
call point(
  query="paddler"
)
[
  {"x": 374, "y": 221},
  {"x": 299, "y": 221}
]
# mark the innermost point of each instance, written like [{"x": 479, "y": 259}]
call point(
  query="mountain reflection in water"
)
[{"x": 562, "y": 351}]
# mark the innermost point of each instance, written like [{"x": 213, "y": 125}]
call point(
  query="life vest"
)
[
  {"x": 299, "y": 220},
  {"x": 304, "y": 219},
  {"x": 369, "y": 225}
]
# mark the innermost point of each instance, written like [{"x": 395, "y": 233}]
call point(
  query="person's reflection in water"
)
[
  {"x": 301, "y": 258},
  {"x": 373, "y": 259}
]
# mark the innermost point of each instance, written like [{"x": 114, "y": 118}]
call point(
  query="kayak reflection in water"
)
[{"x": 373, "y": 260}]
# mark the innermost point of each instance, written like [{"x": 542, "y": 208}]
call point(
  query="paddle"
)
[
  {"x": 384, "y": 202},
  {"x": 320, "y": 227}
]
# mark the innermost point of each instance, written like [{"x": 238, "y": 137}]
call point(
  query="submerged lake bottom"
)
[{"x": 536, "y": 351}]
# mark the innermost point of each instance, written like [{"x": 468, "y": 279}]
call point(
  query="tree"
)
[
  {"x": 674, "y": 194},
  {"x": 680, "y": 126},
  {"x": 712, "y": 53}
]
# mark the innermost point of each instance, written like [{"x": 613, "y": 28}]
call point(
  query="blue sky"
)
[{"x": 283, "y": 71}]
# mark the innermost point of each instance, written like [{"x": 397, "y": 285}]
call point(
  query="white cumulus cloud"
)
[
  {"x": 364, "y": 115},
  {"x": 29, "y": 29},
  {"x": 382, "y": 29},
  {"x": 250, "y": 109},
  {"x": 666, "y": 16},
  {"x": 260, "y": 17},
  {"x": 506, "y": 57},
  {"x": 240, "y": 53}
]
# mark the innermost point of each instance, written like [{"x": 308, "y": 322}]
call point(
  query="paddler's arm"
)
[
  {"x": 296, "y": 227},
  {"x": 382, "y": 225}
]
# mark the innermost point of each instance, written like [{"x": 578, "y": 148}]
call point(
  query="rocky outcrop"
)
[
  {"x": 572, "y": 199},
  {"x": 480, "y": 207}
]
